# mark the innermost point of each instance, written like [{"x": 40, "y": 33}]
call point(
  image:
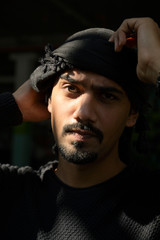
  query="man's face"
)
[{"x": 88, "y": 115}]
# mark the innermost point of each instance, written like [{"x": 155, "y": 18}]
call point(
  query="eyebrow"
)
[
  {"x": 101, "y": 89},
  {"x": 69, "y": 79}
]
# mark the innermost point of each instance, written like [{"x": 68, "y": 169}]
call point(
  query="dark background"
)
[
  {"x": 35, "y": 22},
  {"x": 26, "y": 27}
]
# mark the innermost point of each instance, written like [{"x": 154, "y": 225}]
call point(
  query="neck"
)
[{"x": 86, "y": 175}]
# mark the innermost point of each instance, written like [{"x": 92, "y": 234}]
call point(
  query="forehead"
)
[{"x": 88, "y": 79}]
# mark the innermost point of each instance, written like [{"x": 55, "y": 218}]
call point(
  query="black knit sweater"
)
[{"x": 36, "y": 205}]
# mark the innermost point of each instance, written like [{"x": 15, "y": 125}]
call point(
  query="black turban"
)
[{"x": 90, "y": 50}]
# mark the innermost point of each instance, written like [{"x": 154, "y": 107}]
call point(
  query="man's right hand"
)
[{"x": 31, "y": 104}]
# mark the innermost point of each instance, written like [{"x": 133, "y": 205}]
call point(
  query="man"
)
[{"x": 94, "y": 100}]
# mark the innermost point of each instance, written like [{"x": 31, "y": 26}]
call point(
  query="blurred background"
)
[{"x": 25, "y": 28}]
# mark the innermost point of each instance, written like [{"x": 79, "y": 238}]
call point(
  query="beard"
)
[{"x": 77, "y": 155}]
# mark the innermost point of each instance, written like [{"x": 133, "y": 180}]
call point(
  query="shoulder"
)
[
  {"x": 47, "y": 169},
  {"x": 8, "y": 171},
  {"x": 143, "y": 184},
  {"x": 141, "y": 198}
]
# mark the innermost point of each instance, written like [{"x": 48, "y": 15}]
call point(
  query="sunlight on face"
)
[{"x": 88, "y": 115}]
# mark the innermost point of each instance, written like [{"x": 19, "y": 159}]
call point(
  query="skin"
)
[
  {"x": 85, "y": 97},
  {"x": 31, "y": 104}
]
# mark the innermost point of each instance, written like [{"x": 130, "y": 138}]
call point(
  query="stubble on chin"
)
[{"x": 77, "y": 155}]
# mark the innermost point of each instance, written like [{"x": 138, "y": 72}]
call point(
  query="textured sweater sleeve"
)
[{"x": 10, "y": 114}]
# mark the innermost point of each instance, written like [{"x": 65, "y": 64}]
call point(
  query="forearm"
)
[{"x": 10, "y": 114}]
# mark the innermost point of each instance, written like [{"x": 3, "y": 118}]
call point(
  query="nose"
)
[{"x": 85, "y": 109}]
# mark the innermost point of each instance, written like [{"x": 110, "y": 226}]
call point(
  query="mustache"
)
[{"x": 88, "y": 126}]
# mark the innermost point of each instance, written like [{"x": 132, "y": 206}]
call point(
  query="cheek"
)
[
  {"x": 61, "y": 115},
  {"x": 114, "y": 122}
]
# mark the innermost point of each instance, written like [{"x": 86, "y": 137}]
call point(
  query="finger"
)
[
  {"x": 115, "y": 39},
  {"x": 122, "y": 37},
  {"x": 119, "y": 38}
]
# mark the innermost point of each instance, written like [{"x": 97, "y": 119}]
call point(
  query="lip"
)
[{"x": 82, "y": 134}]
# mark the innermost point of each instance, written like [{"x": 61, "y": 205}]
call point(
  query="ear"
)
[
  {"x": 49, "y": 105},
  {"x": 132, "y": 118}
]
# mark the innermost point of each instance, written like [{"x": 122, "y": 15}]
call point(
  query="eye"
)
[
  {"x": 105, "y": 97},
  {"x": 72, "y": 88}
]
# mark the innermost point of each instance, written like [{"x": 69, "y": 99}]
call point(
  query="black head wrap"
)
[{"x": 90, "y": 50}]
